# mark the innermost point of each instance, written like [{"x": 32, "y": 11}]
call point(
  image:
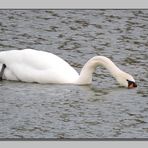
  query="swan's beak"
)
[{"x": 131, "y": 84}]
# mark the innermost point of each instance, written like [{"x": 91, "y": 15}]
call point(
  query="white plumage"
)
[{"x": 30, "y": 65}]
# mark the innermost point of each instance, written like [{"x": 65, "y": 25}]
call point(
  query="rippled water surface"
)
[{"x": 101, "y": 110}]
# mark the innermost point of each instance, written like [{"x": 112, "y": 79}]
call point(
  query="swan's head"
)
[{"x": 126, "y": 80}]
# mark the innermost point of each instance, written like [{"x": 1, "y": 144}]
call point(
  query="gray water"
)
[{"x": 101, "y": 110}]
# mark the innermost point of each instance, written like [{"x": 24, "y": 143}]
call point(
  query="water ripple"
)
[{"x": 100, "y": 110}]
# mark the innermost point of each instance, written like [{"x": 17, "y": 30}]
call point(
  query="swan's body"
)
[{"x": 30, "y": 65}]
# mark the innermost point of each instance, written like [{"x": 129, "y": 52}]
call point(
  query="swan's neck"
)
[{"x": 90, "y": 66}]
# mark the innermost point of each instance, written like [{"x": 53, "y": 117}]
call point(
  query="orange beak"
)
[{"x": 131, "y": 84}]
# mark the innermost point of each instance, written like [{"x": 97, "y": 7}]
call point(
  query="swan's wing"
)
[{"x": 37, "y": 66}]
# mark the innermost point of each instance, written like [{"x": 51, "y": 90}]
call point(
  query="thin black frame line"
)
[
  {"x": 73, "y": 8},
  {"x": 73, "y": 139}
]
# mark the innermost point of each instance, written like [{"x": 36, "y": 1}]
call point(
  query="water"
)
[{"x": 100, "y": 110}]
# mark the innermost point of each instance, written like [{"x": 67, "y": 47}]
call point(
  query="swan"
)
[{"x": 29, "y": 65}]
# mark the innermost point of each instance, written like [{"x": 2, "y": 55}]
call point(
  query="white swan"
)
[{"x": 30, "y": 65}]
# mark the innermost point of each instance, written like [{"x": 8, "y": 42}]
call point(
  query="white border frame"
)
[{"x": 72, "y": 4}]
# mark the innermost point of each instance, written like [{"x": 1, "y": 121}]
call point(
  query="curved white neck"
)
[{"x": 90, "y": 66}]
